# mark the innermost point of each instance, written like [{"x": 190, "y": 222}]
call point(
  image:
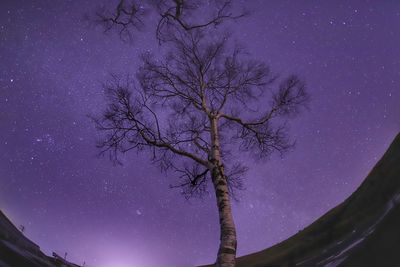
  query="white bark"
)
[{"x": 227, "y": 250}]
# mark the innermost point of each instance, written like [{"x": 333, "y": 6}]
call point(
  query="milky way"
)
[{"x": 52, "y": 64}]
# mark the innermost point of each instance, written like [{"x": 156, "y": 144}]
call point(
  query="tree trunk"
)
[{"x": 227, "y": 249}]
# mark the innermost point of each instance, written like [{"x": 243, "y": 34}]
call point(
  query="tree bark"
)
[{"x": 227, "y": 250}]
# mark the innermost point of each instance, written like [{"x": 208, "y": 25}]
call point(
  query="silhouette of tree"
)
[{"x": 200, "y": 106}]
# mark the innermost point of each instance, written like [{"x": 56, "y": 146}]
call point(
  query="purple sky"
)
[{"x": 51, "y": 68}]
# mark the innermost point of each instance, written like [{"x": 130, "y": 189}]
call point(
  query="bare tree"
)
[
  {"x": 195, "y": 110},
  {"x": 130, "y": 16}
]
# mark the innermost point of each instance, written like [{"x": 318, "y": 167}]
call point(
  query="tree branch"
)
[
  {"x": 129, "y": 16},
  {"x": 126, "y": 124}
]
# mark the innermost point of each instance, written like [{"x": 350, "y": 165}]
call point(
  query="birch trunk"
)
[{"x": 227, "y": 250}]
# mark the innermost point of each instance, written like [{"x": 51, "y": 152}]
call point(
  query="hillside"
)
[
  {"x": 18, "y": 251},
  {"x": 361, "y": 231}
]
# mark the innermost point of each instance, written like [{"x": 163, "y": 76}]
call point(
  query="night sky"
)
[{"x": 52, "y": 64}]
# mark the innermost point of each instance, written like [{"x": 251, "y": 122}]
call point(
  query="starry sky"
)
[{"x": 52, "y": 64}]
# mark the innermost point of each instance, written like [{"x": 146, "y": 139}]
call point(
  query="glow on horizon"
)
[
  {"x": 123, "y": 262},
  {"x": 116, "y": 253}
]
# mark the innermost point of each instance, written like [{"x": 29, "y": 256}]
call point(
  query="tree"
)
[{"x": 197, "y": 108}]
